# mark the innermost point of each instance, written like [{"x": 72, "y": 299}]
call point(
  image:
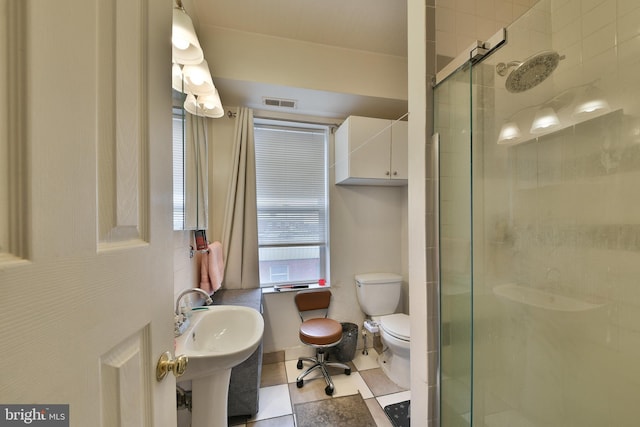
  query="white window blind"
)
[
  {"x": 291, "y": 189},
  {"x": 178, "y": 169}
]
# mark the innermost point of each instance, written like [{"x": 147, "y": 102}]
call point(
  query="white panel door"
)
[{"x": 85, "y": 251}]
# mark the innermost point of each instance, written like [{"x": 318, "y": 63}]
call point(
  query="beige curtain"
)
[{"x": 240, "y": 228}]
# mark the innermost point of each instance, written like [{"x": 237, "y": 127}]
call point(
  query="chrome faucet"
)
[
  {"x": 182, "y": 320},
  {"x": 205, "y": 295}
]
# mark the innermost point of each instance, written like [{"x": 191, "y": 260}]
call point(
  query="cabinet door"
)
[
  {"x": 369, "y": 143},
  {"x": 399, "y": 150}
]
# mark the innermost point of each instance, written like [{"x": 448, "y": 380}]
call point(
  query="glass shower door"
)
[
  {"x": 453, "y": 125},
  {"x": 540, "y": 223}
]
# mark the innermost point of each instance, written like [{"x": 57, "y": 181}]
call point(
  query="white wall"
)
[
  {"x": 185, "y": 269},
  {"x": 253, "y": 57},
  {"x": 421, "y": 67}
]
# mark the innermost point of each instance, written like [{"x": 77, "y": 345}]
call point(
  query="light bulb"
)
[
  {"x": 509, "y": 133},
  {"x": 179, "y": 42},
  {"x": 196, "y": 78},
  {"x": 590, "y": 101},
  {"x": 205, "y": 105},
  {"x": 185, "y": 45},
  {"x": 592, "y": 106},
  {"x": 545, "y": 120}
]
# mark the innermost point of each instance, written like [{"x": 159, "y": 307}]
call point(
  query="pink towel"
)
[{"x": 212, "y": 268}]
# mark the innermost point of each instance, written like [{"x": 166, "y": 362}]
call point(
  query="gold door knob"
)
[{"x": 167, "y": 363}]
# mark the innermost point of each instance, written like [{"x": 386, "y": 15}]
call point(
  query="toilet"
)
[{"x": 378, "y": 295}]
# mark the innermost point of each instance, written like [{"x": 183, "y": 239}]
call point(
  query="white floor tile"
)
[
  {"x": 389, "y": 399},
  {"x": 274, "y": 402},
  {"x": 369, "y": 361},
  {"x": 347, "y": 385}
]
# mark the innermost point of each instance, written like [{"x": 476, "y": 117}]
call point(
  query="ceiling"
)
[
  {"x": 372, "y": 25},
  {"x": 378, "y": 26}
]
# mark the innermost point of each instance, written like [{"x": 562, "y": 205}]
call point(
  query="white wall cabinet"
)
[{"x": 370, "y": 151}]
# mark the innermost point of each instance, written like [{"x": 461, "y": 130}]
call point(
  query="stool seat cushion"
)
[{"x": 320, "y": 331}]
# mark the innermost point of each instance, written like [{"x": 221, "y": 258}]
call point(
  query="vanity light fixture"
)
[
  {"x": 509, "y": 133},
  {"x": 573, "y": 105},
  {"x": 190, "y": 72},
  {"x": 176, "y": 78},
  {"x": 589, "y": 103},
  {"x": 197, "y": 79},
  {"x": 186, "y": 47},
  {"x": 545, "y": 120},
  {"x": 204, "y": 105}
]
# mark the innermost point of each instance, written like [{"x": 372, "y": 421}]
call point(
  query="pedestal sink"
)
[{"x": 218, "y": 338}]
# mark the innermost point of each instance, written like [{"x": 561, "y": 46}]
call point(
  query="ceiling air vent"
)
[{"x": 277, "y": 102}]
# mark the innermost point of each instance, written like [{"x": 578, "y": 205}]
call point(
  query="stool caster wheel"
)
[
  {"x": 300, "y": 383},
  {"x": 299, "y": 365},
  {"x": 328, "y": 390},
  {"x": 347, "y": 371}
]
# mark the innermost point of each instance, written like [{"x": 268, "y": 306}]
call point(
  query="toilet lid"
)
[{"x": 397, "y": 325}]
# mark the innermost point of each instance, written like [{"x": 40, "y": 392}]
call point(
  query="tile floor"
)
[{"x": 279, "y": 393}]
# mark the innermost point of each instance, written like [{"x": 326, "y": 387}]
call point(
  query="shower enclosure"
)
[{"x": 539, "y": 221}]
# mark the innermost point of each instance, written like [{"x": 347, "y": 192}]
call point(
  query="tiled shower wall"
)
[
  {"x": 574, "y": 233},
  {"x": 460, "y": 22}
]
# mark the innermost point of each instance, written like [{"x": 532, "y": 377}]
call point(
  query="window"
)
[
  {"x": 178, "y": 168},
  {"x": 278, "y": 273},
  {"x": 292, "y": 202}
]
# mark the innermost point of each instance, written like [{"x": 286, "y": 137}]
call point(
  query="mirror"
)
[
  {"x": 190, "y": 168},
  {"x": 194, "y": 99}
]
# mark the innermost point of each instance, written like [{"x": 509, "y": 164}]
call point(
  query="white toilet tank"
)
[{"x": 378, "y": 293}]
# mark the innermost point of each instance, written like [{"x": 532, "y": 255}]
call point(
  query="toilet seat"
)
[{"x": 397, "y": 325}]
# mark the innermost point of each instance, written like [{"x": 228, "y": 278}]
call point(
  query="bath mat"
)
[
  {"x": 345, "y": 411},
  {"x": 399, "y": 413}
]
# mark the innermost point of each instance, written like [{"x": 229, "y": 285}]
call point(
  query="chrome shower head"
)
[{"x": 530, "y": 72}]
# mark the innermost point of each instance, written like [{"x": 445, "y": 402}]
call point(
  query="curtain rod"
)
[{"x": 264, "y": 114}]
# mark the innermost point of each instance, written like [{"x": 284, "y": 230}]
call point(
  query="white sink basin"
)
[{"x": 219, "y": 337}]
